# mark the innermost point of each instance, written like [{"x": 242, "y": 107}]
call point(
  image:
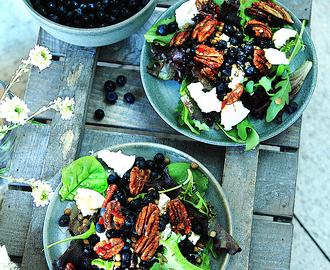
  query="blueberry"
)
[
  {"x": 239, "y": 35},
  {"x": 42, "y": 11},
  {"x": 113, "y": 178},
  {"x": 51, "y": 7},
  {"x": 111, "y": 97},
  {"x": 99, "y": 228},
  {"x": 151, "y": 164},
  {"x": 109, "y": 86},
  {"x": 234, "y": 41},
  {"x": 229, "y": 62},
  {"x": 159, "y": 158},
  {"x": 248, "y": 49},
  {"x": 147, "y": 263},
  {"x": 221, "y": 87},
  {"x": 226, "y": 71},
  {"x": 112, "y": 234},
  {"x": 130, "y": 221},
  {"x": 154, "y": 174},
  {"x": 153, "y": 193},
  {"x": 54, "y": 18},
  {"x": 232, "y": 52},
  {"x": 126, "y": 258},
  {"x": 196, "y": 226},
  {"x": 221, "y": 94},
  {"x": 162, "y": 224},
  {"x": 162, "y": 30},
  {"x": 147, "y": 199},
  {"x": 250, "y": 70},
  {"x": 129, "y": 98},
  {"x": 172, "y": 27},
  {"x": 88, "y": 250},
  {"x": 292, "y": 107},
  {"x": 160, "y": 167},
  {"x": 228, "y": 29},
  {"x": 222, "y": 44},
  {"x": 99, "y": 114},
  {"x": 94, "y": 239},
  {"x": 126, "y": 247},
  {"x": 64, "y": 221},
  {"x": 121, "y": 80},
  {"x": 132, "y": 4},
  {"x": 120, "y": 197}
]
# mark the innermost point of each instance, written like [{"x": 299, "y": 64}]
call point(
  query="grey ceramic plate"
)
[
  {"x": 164, "y": 96},
  {"x": 53, "y": 233}
]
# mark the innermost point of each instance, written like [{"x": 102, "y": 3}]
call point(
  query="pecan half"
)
[
  {"x": 109, "y": 193},
  {"x": 113, "y": 217},
  {"x": 138, "y": 178},
  {"x": 146, "y": 247},
  {"x": 107, "y": 248},
  {"x": 69, "y": 266},
  {"x": 260, "y": 61},
  {"x": 179, "y": 216},
  {"x": 259, "y": 29},
  {"x": 208, "y": 56},
  {"x": 148, "y": 220},
  {"x": 233, "y": 96},
  {"x": 180, "y": 38},
  {"x": 205, "y": 28}
]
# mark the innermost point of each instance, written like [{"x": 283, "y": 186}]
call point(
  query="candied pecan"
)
[
  {"x": 260, "y": 61},
  {"x": 259, "y": 29},
  {"x": 148, "y": 220},
  {"x": 107, "y": 248},
  {"x": 138, "y": 178},
  {"x": 206, "y": 5},
  {"x": 113, "y": 216},
  {"x": 205, "y": 28},
  {"x": 208, "y": 56},
  {"x": 69, "y": 266},
  {"x": 179, "y": 216},
  {"x": 180, "y": 38},
  {"x": 146, "y": 247},
  {"x": 233, "y": 96},
  {"x": 208, "y": 72},
  {"x": 109, "y": 193}
]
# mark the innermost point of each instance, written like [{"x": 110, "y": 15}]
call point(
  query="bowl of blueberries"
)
[{"x": 91, "y": 23}]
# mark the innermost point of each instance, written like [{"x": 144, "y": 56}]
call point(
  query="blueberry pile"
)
[{"x": 88, "y": 13}]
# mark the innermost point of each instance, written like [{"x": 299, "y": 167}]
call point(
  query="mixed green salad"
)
[
  {"x": 106, "y": 221},
  {"x": 232, "y": 59}
]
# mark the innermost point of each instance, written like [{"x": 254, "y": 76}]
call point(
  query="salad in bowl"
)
[
  {"x": 138, "y": 206},
  {"x": 238, "y": 68}
]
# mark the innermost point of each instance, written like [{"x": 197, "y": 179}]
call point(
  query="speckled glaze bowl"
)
[
  {"x": 164, "y": 95},
  {"x": 94, "y": 37},
  {"x": 53, "y": 232}
]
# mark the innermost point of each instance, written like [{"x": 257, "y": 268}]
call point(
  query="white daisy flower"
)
[
  {"x": 42, "y": 193},
  {"x": 5, "y": 262},
  {"x": 40, "y": 57},
  {"x": 14, "y": 110},
  {"x": 3, "y": 131},
  {"x": 65, "y": 107}
]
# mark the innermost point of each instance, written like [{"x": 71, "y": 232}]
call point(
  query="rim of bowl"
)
[{"x": 88, "y": 30}]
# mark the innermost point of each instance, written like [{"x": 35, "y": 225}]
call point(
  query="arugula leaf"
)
[
  {"x": 299, "y": 45},
  {"x": 243, "y": 133},
  {"x": 151, "y": 35},
  {"x": 85, "y": 235},
  {"x": 85, "y": 172}
]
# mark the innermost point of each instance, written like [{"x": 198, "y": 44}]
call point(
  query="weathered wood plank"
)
[
  {"x": 270, "y": 245},
  {"x": 139, "y": 115},
  {"x": 211, "y": 157},
  {"x": 288, "y": 138},
  {"x": 276, "y": 183},
  {"x": 42, "y": 88},
  {"x": 15, "y": 218},
  {"x": 64, "y": 142},
  {"x": 238, "y": 183},
  {"x": 57, "y": 47}
]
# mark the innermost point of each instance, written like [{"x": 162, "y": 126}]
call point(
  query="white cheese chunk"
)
[
  {"x": 237, "y": 76},
  {"x": 194, "y": 238},
  {"x": 185, "y": 13},
  {"x": 276, "y": 57},
  {"x": 167, "y": 232},
  {"x": 224, "y": 37},
  {"x": 233, "y": 114},
  {"x": 162, "y": 203},
  {"x": 118, "y": 161},
  {"x": 102, "y": 236},
  {"x": 206, "y": 101},
  {"x": 88, "y": 201},
  {"x": 282, "y": 35}
]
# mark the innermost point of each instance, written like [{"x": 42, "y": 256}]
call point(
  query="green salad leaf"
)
[
  {"x": 151, "y": 35},
  {"x": 85, "y": 172},
  {"x": 102, "y": 264},
  {"x": 243, "y": 133}
]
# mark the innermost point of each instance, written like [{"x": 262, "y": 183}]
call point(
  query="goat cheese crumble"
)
[
  {"x": 88, "y": 201},
  {"x": 118, "y": 161},
  {"x": 185, "y": 13},
  {"x": 233, "y": 114}
]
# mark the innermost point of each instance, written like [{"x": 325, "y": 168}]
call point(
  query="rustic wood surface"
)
[{"x": 259, "y": 184}]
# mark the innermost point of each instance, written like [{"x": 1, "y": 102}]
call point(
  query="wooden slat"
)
[
  {"x": 64, "y": 142},
  {"x": 56, "y": 46},
  {"x": 139, "y": 115},
  {"x": 210, "y": 156},
  {"x": 238, "y": 183},
  {"x": 276, "y": 183},
  {"x": 270, "y": 245},
  {"x": 15, "y": 218}
]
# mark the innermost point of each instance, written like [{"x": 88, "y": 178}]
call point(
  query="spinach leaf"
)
[
  {"x": 85, "y": 172},
  {"x": 151, "y": 35}
]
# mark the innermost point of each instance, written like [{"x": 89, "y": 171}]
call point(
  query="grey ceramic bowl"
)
[
  {"x": 53, "y": 233},
  {"x": 164, "y": 96},
  {"x": 94, "y": 37}
]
